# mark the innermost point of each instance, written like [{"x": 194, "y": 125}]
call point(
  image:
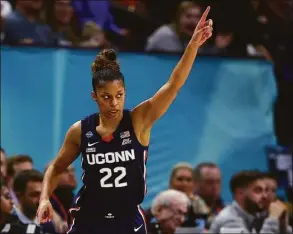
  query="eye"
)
[
  {"x": 119, "y": 95},
  {"x": 106, "y": 97}
]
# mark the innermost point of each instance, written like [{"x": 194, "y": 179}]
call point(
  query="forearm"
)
[
  {"x": 50, "y": 182},
  {"x": 184, "y": 66}
]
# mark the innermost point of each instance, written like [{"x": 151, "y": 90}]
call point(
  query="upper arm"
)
[
  {"x": 70, "y": 148},
  {"x": 152, "y": 109}
]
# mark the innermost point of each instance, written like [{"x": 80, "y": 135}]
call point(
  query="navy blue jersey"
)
[{"x": 114, "y": 170}]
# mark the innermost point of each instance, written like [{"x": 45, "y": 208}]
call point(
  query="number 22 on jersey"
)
[{"x": 119, "y": 173}]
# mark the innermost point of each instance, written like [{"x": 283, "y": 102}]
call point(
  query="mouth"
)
[{"x": 113, "y": 113}]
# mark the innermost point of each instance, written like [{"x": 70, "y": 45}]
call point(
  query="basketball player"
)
[{"x": 114, "y": 145}]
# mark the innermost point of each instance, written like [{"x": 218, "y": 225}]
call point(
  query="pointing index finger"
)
[{"x": 204, "y": 16}]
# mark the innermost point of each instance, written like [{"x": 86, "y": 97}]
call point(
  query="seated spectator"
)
[
  {"x": 207, "y": 179},
  {"x": 60, "y": 16},
  {"x": 167, "y": 212},
  {"x": 15, "y": 165},
  {"x": 181, "y": 179},
  {"x": 27, "y": 186},
  {"x": 6, "y": 204},
  {"x": 98, "y": 12},
  {"x": 6, "y": 9},
  {"x": 226, "y": 43},
  {"x": 174, "y": 37},
  {"x": 249, "y": 193},
  {"x": 94, "y": 36},
  {"x": 23, "y": 26},
  {"x": 3, "y": 165}
]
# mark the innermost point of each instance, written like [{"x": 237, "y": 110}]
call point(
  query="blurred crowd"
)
[
  {"x": 193, "y": 201},
  {"x": 145, "y": 25},
  {"x": 249, "y": 28}
]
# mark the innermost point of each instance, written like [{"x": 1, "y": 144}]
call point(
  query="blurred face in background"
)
[
  {"x": 29, "y": 200},
  {"x": 189, "y": 19},
  {"x": 182, "y": 181},
  {"x": 3, "y": 165},
  {"x": 63, "y": 11},
  {"x": 223, "y": 39},
  {"x": 6, "y": 203},
  {"x": 255, "y": 196},
  {"x": 271, "y": 189},
  {"x": 172, "y": 216},
  {"x": 209, "y": 184},
  {"x": 22, "y": 166}
]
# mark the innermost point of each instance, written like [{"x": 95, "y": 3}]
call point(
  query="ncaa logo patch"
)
[
  {"x": 89, "y": 134},
  {"x": 125, "y": 134}
]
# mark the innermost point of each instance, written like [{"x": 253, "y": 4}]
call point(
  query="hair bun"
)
[
  {"x": 110, "y": 54},
  {"x": 106, "y": 59}
]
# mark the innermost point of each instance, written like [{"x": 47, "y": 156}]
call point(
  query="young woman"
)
[{"x": 114, "y": 144}]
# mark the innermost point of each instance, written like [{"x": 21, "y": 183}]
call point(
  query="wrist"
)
[
  {"x": 44, "y": 198},
  {"x": 193, "y": 45}
]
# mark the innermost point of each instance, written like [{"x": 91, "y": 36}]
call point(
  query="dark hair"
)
[
  {"x": 270, "y": 175},
  {"x": 2, "y": 183},
  {"x": 105, "y": 68},
  {"x": 197, "y": 169},
  {"x": 11, "y": 161},
  {"x": 3, "y": 151},
  {"x": 244, "y": 178},
  {"x": 72, "y": 32},
  {"x": 22, "y": 178}
]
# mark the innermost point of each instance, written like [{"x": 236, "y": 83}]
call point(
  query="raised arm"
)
[
  {"x": 152, "y": 109},
  {"x": 67, "y": 154}
]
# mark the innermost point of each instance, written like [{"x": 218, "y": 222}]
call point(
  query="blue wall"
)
[{"x": 222, "y": 114}]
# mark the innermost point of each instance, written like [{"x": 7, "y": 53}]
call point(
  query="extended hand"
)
[{"x": 203, "y": 30}]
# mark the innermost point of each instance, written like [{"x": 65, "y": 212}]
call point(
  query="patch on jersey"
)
[
  {"x": 89, "y": 134},
  {"x": 126, "y": 141},
  {"x": 109, "y": 216},
  {"x": 90, "y": 150},
  {"x": 124, "y": 134}
]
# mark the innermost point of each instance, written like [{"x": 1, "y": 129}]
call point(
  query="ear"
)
[{"x": 94, "y": 96}]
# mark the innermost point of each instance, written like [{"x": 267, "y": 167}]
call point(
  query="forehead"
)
[
  {"x": 179, "y": 206},
  {"x": 261, "y": 183},
  {"x": 194, "y": 10},
  {"x": 270, "y": 182},
  {"x": 3, "y": 156},
  {"x": 210, "y": 172},
  {"x": 23, "y": 165},
  {"x": 111, "y": 86},
  {"x": 183, "y": 171},
  {"x": 34, "y": 186}
]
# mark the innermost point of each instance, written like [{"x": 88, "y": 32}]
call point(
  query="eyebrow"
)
[{"x": 105, "y": 93}]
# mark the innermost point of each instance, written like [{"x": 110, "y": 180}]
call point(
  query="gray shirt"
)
[
  {"x": 165, "y": 39},
  {"x": 233, "y": 219}
]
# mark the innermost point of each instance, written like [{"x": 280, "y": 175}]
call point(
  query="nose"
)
[{"x": 113, "y": 102}]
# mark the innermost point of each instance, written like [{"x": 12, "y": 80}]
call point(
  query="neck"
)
[
  {"x": 110, "y": 124},
  {"x": 30, "y": 16},
  {"x": 29, "y": 215},
  {"x": 243, "y": 207},
  {"x": 209, "y": 202}
]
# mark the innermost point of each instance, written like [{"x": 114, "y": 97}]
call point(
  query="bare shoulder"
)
[{"x": 74, "y": 133}]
